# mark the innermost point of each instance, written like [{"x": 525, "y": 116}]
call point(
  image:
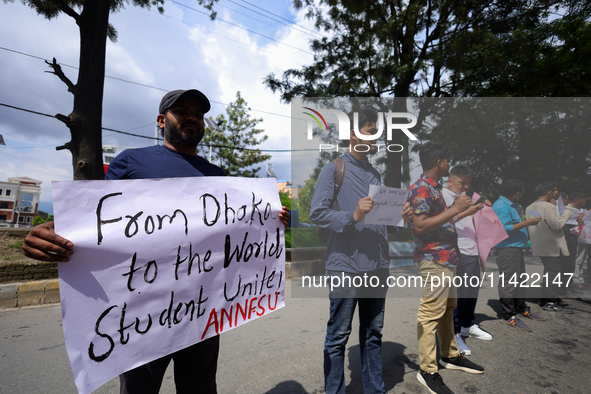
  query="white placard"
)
[
  {"x": 573, "y": 219},
  {"x": 161, "y": 264},
  {"x": 585, "y": 236},
  {"x": 560, "y": 207},
  {"x": 388, "y": 206}
]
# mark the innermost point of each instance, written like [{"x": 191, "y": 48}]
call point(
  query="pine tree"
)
[{"x": 235, "y": 132}]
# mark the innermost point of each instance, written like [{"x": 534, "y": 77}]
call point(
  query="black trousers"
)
[
  {"x": 553, "y": 271},
  {"x": 194, "y": 371},
  {"x": 588, "y": 273},
  {"x": 511, "y": 262},
  {"x": 467, "y": 294}
]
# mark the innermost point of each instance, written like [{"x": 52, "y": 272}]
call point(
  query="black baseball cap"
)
[{"x": 171, "y": 97}]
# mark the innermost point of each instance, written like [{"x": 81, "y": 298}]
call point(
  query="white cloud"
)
[{"x": 181, "y": 49}]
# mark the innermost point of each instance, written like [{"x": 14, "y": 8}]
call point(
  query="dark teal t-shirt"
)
[{"x": 158, "y": 161}]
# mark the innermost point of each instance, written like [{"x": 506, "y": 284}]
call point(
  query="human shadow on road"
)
[
  {"x": 288, "y": 387},
  {"x": 495, "y": 305},
  {"x": 394, "y": 363}
]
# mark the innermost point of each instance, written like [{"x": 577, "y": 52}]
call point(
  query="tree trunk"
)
[
  {"x": 395, "y": 172},
  {"x": 85, "y": 121}
]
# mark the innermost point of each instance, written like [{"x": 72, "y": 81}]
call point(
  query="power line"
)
[
  {"x": 260, "y": 21},
  {"x": 21, "y": 159},
  {"x": 28, "y": 110},
  {"x": 228, "y": 38},
  {"x": 136, "y": 83},
  {"x": 243, "y": 28},
  {"x": 29, "y": 147},
  {"x": 279, "y": 16},
  {"x": 290, "y": 24},
  {"x": 160, "y": 139}
]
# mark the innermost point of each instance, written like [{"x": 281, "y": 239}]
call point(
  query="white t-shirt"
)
[{"x": 465, "y": 228}]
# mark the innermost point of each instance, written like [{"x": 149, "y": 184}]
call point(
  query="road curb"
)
[{"x": 15, "y": 295}]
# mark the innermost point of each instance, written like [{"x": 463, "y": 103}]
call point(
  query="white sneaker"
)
[
  {"x": 462, "y": 347},
  {"x": 475, "y": 332}
]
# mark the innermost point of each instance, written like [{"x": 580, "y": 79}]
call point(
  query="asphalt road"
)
[{"x": 281, "y": 353}]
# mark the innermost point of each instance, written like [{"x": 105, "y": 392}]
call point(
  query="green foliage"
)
[
  {"x": 383, "y": 47},
  {"x": 43, "y": 214},
  {"x": 288, "y": 237},
  {"x": 285, "y": 199},
  {"x": 304, "y": 238},
  {"x": 237, "y": 130},
  {"x": 305, "y": 200},
  {"x": 37, "y": 220},
  {"x": 74, "y": 8},
  {"x": 41, "y": 219},
  {"x": 388, "y": 48},
  {"x": 531, "y": 139},
  {"x": 539, "y": 48},
  {"x": 543, "y": 55}
]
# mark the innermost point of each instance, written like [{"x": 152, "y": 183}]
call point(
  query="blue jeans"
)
[{"x": 371, "y": 320}]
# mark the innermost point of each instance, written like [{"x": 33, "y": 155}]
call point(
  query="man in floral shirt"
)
[{"x": 437, "y": 254}]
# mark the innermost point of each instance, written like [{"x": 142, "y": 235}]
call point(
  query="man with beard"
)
[
  {"x": 181, "y": 122},
  {"x": 354, "y": 250}
]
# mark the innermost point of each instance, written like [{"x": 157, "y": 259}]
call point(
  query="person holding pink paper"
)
[{"x": 460, "y": 179}]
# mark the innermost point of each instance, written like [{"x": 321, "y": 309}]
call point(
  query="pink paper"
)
[{"x": 489, "y": 231}]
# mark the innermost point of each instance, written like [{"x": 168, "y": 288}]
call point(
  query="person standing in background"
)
[
  {"x": 458, "y": 183},
  {"x": 510, "y": 254}
]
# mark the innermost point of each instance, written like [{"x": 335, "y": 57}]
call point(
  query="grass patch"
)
[{"x": 16, "y": 245}]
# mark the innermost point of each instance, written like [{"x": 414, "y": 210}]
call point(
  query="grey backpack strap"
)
[{"x": 339, "y": 177}]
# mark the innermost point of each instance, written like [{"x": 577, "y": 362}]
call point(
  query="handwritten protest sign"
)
[
  {"x": 585, "y": 236},
  {"x": 388, "y": 206},
  {"x": 489, "y": 230},
  {"x": 161, "y": 264}
]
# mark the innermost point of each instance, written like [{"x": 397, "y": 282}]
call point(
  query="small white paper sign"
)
[
  {"x": 585, "y": 236},
  {"x": 534, "y": 213},
  {"x": 162, "y": 264},
  {"x": 573, "y": 219},
  {"x": 560, "y": 205},
  {"x": 388, "y": 206}
]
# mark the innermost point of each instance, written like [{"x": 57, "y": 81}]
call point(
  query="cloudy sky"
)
[{"x": 181, "y": 49}]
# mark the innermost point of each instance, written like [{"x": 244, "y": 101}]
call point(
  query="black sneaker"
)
[
  {"x": 433, "y": 383},
  {"x": 555, "y": 307},
  {"x": 461, "y": 362},
  {"x": 530, "y": 315}
]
